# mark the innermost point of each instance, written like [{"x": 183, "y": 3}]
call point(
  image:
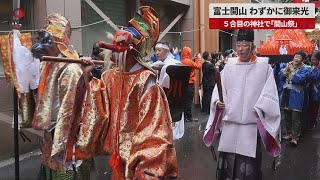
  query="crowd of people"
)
[
  {"x": 297, "y": 83},
  {"x": 298, "y": 87},
  {"x": 284, "y": 91}
]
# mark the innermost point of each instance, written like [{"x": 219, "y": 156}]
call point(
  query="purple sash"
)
[
  {"x": 212, "y": 135},
  {"x": 271, "y": 145}
]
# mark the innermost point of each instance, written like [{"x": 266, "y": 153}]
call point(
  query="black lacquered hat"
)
[{"x": 245, "y": 35}]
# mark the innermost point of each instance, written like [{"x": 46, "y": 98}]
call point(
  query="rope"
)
[
  {"x": 35, "y": 30},
  {"x": 98, "y": 22},
  {"x": 193, "y": 30},
  {"x": 199, "y": 29}
]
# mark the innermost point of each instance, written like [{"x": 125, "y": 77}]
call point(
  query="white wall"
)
[
  {"x": 40, "y": 13},
  {"x": 71, "y": 9}
]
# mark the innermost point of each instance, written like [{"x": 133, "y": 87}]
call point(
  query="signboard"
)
[{"x": 261, "y": 16}]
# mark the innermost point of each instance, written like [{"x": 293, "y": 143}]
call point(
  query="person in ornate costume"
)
[
  {"x": 249, "y": 113},
  {"x": 55, "y": 103},
  {"x": 126, "y": 110}
]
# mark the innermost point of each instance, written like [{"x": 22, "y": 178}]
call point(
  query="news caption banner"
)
[{"x": 261, "y": 16}]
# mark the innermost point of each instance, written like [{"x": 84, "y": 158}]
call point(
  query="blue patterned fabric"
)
[
  {"x": 136, "y": 35},
  {"x": 294, "y": 99},
  {"x": 315, "y": 85}
]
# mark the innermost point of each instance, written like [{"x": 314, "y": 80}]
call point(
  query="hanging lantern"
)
[{"x": 18, "y": 13}]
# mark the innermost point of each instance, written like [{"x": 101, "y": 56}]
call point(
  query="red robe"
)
[{"x": 132, "y": 121}]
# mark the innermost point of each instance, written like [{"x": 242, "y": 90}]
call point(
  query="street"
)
[
  {"x": 196, "y": 161},
  {"x": 109, "y": 67},
  {"x": 296, "y": 163}
]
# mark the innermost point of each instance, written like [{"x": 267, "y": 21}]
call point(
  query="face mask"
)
[{"x": 43, "y": 46}]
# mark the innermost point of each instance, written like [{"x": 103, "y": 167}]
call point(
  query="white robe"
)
[{"x": 248, "y": 89}]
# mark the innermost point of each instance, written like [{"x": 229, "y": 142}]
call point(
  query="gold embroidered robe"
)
[
  {"x": 144, "y": 132},
  {"x": 62, "y": 83}
]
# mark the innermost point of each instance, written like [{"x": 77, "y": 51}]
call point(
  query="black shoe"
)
[
  {"x": 195, "y": 119},
  {"x": 186, "y": 119},
  {"x": 191, "y": 119},
  {"x": 294, "y": 142}
]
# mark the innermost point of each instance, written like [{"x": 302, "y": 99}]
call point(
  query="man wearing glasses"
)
[{"x": 251, "y": 113}]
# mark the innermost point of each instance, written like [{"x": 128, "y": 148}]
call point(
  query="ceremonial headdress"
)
[
  {"x": 141, "y": 35},
  {"x": 145, "y": 28},
  {"x": 57, "y": 31},
  {"x": 59, "y": 27},
  {"x": 245, "y": 35}
]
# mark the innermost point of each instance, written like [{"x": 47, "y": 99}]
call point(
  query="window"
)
[{"x": 116, "y": 10}]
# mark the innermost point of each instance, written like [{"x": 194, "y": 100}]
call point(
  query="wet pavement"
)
[
  {"x": 194, "y": 158},
  {"x": 6, "y": 130},
  {"x": 295, "y": 163},
  {"x": 298, "y": 163}
]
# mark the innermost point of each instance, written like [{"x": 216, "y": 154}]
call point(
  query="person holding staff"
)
[{"x": 251, "y": 113}]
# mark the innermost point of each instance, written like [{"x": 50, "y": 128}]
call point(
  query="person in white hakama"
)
[{"x": 251, "y": 113}]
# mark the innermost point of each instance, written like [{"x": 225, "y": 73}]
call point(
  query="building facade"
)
[{"x": 183, "y": 22}]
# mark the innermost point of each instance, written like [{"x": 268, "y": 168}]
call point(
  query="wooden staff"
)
[
  {"x": 69, "y": 60},
  {"x": 217, "y": 77}
]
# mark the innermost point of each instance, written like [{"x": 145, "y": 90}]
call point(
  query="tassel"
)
[
  {"x": 115, "y": 163},
  {"x": 112, "y": 159},
  {"x": 43, "y": 79}
]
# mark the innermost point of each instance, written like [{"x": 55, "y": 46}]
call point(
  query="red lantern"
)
[{"x": 18, "y": 13}]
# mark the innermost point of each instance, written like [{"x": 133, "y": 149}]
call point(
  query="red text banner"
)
[
  {"x": 262, "y": 23},
  {"x": 262, "y": 16}
]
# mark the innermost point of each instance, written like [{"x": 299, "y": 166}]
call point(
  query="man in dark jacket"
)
[{"x": 208, "y": 81}]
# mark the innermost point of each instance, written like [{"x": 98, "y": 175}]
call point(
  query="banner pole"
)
[{"x": 16, "y": 134}]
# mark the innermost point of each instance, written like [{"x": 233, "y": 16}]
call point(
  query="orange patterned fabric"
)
[
  {"x": 143, "y": 140},
  {"x": 67, "y": 52},
  {"x": 57, "y": 31},
  {"x": 25, "y": 39},
  {"x": 294, "y": 39},
  {"x": 62, "y": 80},
  {"x": 92, "y": 125},
  {"x": 6, "y": 54},
  {"x": 60, "y": 27},
  {"x": 44, "y": 78},
  {"x": 26, "y": 108}
]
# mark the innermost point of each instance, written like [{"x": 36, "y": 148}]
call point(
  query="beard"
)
[
  {"x": 38, "y": 49},
  {"x": 43, "y": 46}
]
